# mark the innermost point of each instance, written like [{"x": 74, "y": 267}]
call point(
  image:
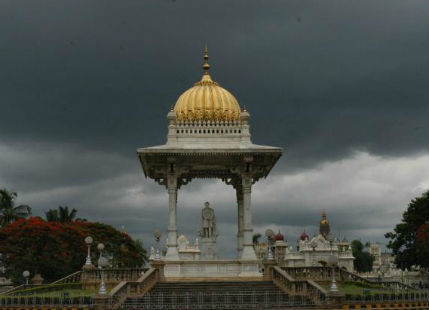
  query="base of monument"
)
[{"x": 219, "y": 268}]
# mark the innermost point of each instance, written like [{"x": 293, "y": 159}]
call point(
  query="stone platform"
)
[{"x": 219, "y": 268}]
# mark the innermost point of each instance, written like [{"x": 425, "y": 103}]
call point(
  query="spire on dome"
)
[{"x": 206, "y": 65}]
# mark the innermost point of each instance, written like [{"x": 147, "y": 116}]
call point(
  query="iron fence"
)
[
  {"x": 214, "y": 300},
  {"x": 20, "y": 301}
]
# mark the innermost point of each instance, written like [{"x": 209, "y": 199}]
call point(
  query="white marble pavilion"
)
[{"x": 209, "y": 137}]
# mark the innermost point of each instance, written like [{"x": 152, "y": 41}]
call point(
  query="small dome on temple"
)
[
  {"x": 304, "y": 236},
  {"x": 279, "y": 237},
  {"x": 207, "y": 101}
]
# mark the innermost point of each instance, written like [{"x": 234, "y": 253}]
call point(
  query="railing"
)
[
  {"x": 215, "y": 128},
  {"x": 393, "y": 285},
  {"x": 325, "y": 274},
  {"x": 29, "y": 301},
  {"x": 313, "y": 273},
  {"x": 113, "y": 275},
  {"x": 388, "y": 298},
  {"x": 17, "y": 288},
  {"x": 40, "y": 289},
  {"x": 315, "y": 293},
  {"x": 72, "y": 278},
  {"x": 126, "y": 289}
]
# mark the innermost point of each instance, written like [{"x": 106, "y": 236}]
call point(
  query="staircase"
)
[{"x": 223, "y": 295}]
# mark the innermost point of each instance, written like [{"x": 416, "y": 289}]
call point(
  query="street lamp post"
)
[
  {"x": 88, "y": 241},
  {"x": 269, "y": 234},
  {"x": 157, "y": 235},
  {"x": 26, "y": 275},
  {"x": 333, "y": 261},
  {"x": 102, "y": 262}
]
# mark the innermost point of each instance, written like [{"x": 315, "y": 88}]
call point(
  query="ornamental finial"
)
[{"x": 206, "y": 66}]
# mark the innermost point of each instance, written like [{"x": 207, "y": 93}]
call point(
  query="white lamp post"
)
[
  {"x": 157, "y": 235},
  {"x": 333, "y": 261},
  {"x": 102, "y": 262},
  {"x": 269, "y": 233},
  {"x": 88, "y": 241},
  {"x": 26, "y": 275}
]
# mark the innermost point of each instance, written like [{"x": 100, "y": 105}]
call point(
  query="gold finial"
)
[{"x": 206, "y": 66}]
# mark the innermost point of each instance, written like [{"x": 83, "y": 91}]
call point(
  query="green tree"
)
[
  {"x": 62, "y": 215},
  {"x": 8, "y": 211},
  {"x": 363, "y": 260},
  {"x": 256, "y": 238},
  {"x": 56, "y": 249},
  {"x": 409, "y": 239}
]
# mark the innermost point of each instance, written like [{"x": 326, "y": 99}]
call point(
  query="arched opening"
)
[{"x": 222, "y": 199}]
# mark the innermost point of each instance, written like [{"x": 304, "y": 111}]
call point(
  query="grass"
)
[{"x": 356, "y": 289}]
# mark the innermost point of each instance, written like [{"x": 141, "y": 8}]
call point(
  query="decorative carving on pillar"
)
[
  {"x": 161, "y": 181},
  {"x": 183, "y": 181}
]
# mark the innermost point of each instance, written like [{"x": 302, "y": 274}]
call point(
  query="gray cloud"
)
[
  {"x": 364, "y": 195},
  {"x": 321, "y": 79},
  {"x": 341, "y": 86}
]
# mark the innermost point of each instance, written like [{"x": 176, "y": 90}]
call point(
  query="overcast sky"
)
[{"x": 342, "y": 86}]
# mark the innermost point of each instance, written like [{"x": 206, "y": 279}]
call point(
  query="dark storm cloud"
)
[
  {"x": 341, "y": 85},
  {"x": 320, "y": 78}
]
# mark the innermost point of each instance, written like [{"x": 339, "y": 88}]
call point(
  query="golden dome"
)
[
  {"x": 207, "y": 101},
  {"x": 324, "y": 221}
]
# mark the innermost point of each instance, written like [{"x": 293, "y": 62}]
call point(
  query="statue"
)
[
  {"x": 208, "y": 233},
  {"x": 208, "y": 222}
]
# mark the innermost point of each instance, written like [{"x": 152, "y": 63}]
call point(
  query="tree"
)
[
  {"x": 409, "y": 240},
  {"x": 8, "y": 211},
  {"x": 256, "y": 238},
  {"x": 363, "y": 260},
  {"x": 56, "y": 249},
  {"x": 62, "y": 215}
]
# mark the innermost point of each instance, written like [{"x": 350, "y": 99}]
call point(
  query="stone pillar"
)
[
  {"x": 248, "y": 250},
  {"x": 239, "y": 193},
  {"x": 172, "y": 253},
  {"x": 101, "y": 302}
]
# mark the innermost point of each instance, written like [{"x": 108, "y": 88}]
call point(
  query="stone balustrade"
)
[
  {"x": 299, "y": 287},
  {"x": 209, "y": 129},
  {"x": 90, "y": 278},
  {"x": 126, "y": 289}
]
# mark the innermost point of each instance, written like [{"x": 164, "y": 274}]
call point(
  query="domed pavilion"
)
[{"x": 209, "y": 137}]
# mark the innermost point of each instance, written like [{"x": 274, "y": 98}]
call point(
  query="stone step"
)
[{"x": 222, "y": 295}]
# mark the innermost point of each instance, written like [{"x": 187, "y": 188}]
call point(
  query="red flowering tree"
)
[{"x": 56, "y": 249}]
